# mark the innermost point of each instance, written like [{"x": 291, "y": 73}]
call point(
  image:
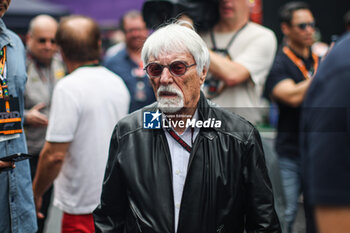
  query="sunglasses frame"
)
[
  {"x": 169, "y": 68},
  {"x": 303, "y": 26},
  {"x": 43, "y": 40}
]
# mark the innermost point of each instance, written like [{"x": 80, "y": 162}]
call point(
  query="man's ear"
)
[
  {"x": 28, "y": 38},
  {"x": 204, "y": 74},
  {"x": 285, "y": 28}
]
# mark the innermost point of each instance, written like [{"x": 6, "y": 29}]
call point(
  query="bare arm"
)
[
  {"x": 289, "y": 92},
  {"x": 229, "y": 71},
  {"x": 34, "y": 117},
  {"x": 49, "y": 166},
  {"x": 333, "y": 219}
]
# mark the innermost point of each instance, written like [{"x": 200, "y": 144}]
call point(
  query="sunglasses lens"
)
[
  {"x": 43, "y": 41},
  {"x": 302, "y": 26},
  {"x": 178, "y": 68},
  {"x": 154, "y": 69}
]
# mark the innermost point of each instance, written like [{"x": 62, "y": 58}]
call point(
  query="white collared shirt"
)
[{"x": 179, "y": 160}]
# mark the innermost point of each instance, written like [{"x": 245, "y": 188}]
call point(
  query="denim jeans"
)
[{"x": 291, "y": 179}]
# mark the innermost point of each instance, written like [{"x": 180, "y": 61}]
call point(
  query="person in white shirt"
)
[
  {"x": 241, "y": 55},
  {"x": 86, "y": 105}
]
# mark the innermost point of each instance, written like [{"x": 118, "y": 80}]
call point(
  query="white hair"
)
[{"x": 176, "y": 37}]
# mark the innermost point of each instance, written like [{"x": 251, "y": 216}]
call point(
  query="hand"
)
[
  {"x": 38, "y": 203},
  {"x": 35, "y": 118},
  {"x": 6, "y": 165}
]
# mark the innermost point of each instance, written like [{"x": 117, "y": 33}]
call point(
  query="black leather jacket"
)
[{"x": 227, "y": 188}]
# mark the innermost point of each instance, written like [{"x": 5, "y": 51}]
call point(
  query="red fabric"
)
[{"x": 77, "y": 223}]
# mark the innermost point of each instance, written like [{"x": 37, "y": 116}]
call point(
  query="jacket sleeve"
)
[
  {"x": 260, "y": 212},
  {"x": 110, "y": 215}
]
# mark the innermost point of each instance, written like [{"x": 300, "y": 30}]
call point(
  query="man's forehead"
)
[
  {"x": 301, "y": 13},
  {"x": 171, "y": 54},
  {"x": 44, "y": 31},
  {"x": 131, "y": 21}
]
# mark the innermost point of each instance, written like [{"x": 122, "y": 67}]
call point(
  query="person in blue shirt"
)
[
  {"x": 325, "y": 141},
  {"x": 127, "y": 62},
  {"x": 17, "y": 212}
]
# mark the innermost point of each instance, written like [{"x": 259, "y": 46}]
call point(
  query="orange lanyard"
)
[
  {"x": 4, "y": 94},
  {"x": 300, "y": 64},
  {"x": 2, "y": 60}
]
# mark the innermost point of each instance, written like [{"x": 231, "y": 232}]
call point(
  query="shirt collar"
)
[{"x": 4, "y": 35}]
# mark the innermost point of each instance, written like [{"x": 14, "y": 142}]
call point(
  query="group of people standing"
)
[{"x": 112, "y": 174}]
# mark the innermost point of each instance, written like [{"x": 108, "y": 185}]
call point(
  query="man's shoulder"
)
[
  {"x": 281, "y": 62},
  {"x": 98, "y": 73},
  {"x": 119, "y": 57},
  {"x": 13, "y": 35},
  {"x": 259, "y": 28},
  {"x": 15, "y": 40},
  {"x": 259, "y": 32},
  {"x": 133, "y": 122},
  {"x": 231, "y": 123}
]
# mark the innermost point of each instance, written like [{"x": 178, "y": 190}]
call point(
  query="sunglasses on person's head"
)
[
  {"x": 43, "y": 40},
  {"x": 303, "y": 26},
  {"x": 176, "y": 68}
]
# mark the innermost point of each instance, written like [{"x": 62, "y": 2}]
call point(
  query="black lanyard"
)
[{"x": 230, "y": 42}]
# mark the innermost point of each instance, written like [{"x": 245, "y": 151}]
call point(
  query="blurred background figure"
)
[
  {"x": 117, "y": 40},
  {"x": 286, "y": 85},
  {"x": 127, "y": 62},
  {"x": 44, "y": 68},
  {"x": 325, "y": 144},
  {"x": 241, "y": 55},
  {"x": 86, "y": 105}
]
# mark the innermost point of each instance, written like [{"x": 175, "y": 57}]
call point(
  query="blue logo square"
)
[{"x": 152, "y": 120}]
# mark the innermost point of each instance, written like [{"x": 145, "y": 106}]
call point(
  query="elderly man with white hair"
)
[{"x": 183, "y": 164}]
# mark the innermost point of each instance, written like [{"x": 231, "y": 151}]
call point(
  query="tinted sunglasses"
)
[
  {"x": 43, "y": 40},
  {"x": 303, "y": 26},
  {"x": 176, "y": 68}
]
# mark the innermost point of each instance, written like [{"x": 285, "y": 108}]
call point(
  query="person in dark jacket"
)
[{"x": 183, "y": 164}]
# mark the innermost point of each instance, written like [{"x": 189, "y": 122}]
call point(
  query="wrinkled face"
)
[
  {"x": 230, "y": 9},
  {"x": 135, "y": 32},
  {"x": 174, "y": 93},
  {"x": 301, "y": 30},
  {"x": 4, "y": 4},
  {"x": 41, "y": 43}
]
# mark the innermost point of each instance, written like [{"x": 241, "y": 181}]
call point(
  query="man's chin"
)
[
  {"x": 166, "y": 109},
  {"x": 169, "y": 107}
]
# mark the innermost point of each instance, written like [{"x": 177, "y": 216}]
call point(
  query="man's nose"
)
[
  {"x": 49, "y": 43},
  {"x": 310, "y": 29},
  {"x": 166, "y": 77}
]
